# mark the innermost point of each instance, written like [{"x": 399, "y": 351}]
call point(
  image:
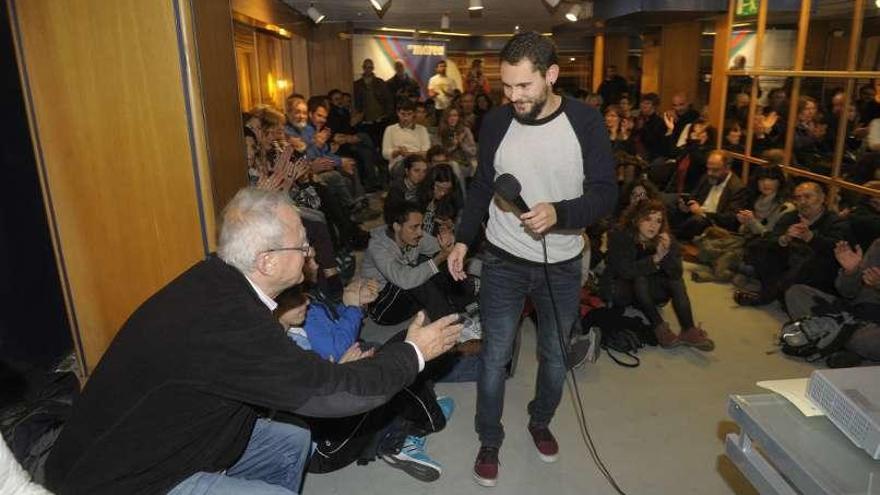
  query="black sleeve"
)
[
  {"x": 671, "y": 263},
  {"x": 726, "y": 218},
  {"x": 600, "y": 183},
  {"x": 270, "y": 372},
  {"x": 621, "y": 261}
]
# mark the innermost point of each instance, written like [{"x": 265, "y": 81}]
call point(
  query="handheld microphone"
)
[{"x": 509, "y": 188}]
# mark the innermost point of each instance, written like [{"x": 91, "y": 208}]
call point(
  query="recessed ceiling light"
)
[
  {"x": 379, "y": 4},
  {"x": 573, "y": 12},
  {"x": 476, "y": 5},
  {"x": 552, "y": 3},
  {"x": 444, "y": 21}
]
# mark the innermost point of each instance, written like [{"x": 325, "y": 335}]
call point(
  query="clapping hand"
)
[
  {"x": 745, "y": 217},
  {"x": 871, "y": 276},
  {"x": 849, "y": 258},
  {"x": 694, "y": 207},
  {"x": 360, "y": 292},
  {"x": 283, "y": 173},
  {"x": 663, "y": 244},
  {"x": 800, "y": 231},
  {"x": 669, "y": 119}
]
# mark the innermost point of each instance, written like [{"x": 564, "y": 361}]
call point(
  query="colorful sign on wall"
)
[{"x": 419, "y": 57}]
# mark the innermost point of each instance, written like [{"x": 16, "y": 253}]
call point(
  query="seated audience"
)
[
  {"x": 483, "y": 104},
  {"x": 682, "y": 174},
  {"x": 467, "y": 111},
  {"x": 715, "y": 201},
  {"x": 724, "y": 251},
  {"x": 263, "y": 125},
  {"x": 197, "y": 368},
  {"x": 404, "y": 138},
  {"x": 650, "y": 131},
  {"x": 858, "y": 283},
  {"x": 331, "y": 330},
  {"x": 350, "y": 143},
  {"x": 619, "y": 127},
  {"x": 864, "y": 217},
  {"x": 406, "y": 262},
  {"x": 439, "y": 192},
  {"x": 732, "y": 141},
  {"x": 458, "y": 142},
  {"x": 406, "y": 187},
  {"x": 644, "y": 268},
  {"x": 799, "y": 249}
]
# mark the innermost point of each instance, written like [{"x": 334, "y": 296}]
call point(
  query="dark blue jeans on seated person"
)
[
  {"x": 505, "y": 284},
  {"x": 272, "y": 464}
]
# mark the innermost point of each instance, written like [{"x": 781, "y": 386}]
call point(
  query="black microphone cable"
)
[{"x": 572, "y": 383}]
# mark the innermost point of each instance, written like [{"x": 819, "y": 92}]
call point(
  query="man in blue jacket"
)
[{"x": 559, "y": 150}]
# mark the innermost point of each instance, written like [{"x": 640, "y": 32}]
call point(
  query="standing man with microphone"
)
[{"x": 559, "y": 151}]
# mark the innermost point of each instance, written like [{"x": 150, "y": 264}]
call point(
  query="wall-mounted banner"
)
[{"x": 419, "y": 56}]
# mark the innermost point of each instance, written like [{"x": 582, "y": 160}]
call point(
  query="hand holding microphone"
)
[{"x": 539, "y": 219}]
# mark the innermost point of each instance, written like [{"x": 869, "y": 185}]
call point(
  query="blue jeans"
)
[
  {"x": 272, "y": 464},
  {"x": 505, "y": 285}
]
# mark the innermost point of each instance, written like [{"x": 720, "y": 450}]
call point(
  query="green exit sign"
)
[{"x": 747, "y": 8}]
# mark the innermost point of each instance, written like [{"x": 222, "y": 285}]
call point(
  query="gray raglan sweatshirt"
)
[{"x": 386, "y": 262}]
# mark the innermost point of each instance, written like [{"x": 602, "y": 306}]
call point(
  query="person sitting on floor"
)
[
  {"x": 440, "y": 190},
  {"x": 406, "y": 262},
  {"x": 800, "y": 249},
  {"x": 644, "y": 268},
  {"x": 405, "y": 138},
  {"x": 715, "y": 201},
  {"x": 331, "y": 330},
  {"x": 406, "y": 188},
  {"x": 724, "y": 252},
  {"x": 858, "y": 283}
]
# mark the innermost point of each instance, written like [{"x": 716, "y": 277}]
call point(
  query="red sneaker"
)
[
  {"x": 696, "y": 337},
  {"x": 545, "y": 442},
  {"x": 665, "y": 338},
  {"x": 486, "y": 466}
]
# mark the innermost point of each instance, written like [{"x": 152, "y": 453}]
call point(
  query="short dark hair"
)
[
  {"x": 440, "y": 62},
  {"x": 399, "y": 211},
  {"x": 654, "y": 98},
  {"x": 333, "y": 92},
  {"x": 296, "y": 96},
  {"x": 317, "y": 102},
  {"x": 406, "y": 104},
  {"x": 538, "y": 49},
  {"x": 434, "y": 151},
  {"x": 411, "y": 160}
]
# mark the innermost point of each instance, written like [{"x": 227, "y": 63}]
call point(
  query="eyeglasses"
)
[{"x": 305, "y": 249}]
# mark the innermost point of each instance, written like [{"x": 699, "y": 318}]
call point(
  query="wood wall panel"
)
[
  {"x": 651, "y": 53},
  {"x": 109, "y": 123},
  {"x": 330, "y": 64},
  {"x": 718, "y": 89},
  {"x": 225, "y": 141},
  {"x": 680, "y": 61},
  {"x": 617, "y": 52}
]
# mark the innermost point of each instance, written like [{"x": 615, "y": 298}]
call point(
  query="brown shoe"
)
[
  {"x": 696, "y": 337},
  {"x": 665, "y": 337}
]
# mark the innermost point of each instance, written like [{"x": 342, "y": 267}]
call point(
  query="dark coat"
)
[
  {"x": 627, "y": 260},
  {"x": 180, "y": 387},
  {"x": 734, "y": 198}
]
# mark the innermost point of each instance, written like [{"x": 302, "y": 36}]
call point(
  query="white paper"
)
[{"x": 795, "y": 390}]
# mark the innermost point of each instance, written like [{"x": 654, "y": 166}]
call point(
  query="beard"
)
[{"x": 531, "y": 116}]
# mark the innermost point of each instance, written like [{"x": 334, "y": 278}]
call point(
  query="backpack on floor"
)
[
  {"x": 622, "y": 336},
  {"x": 814, "y": 337}
]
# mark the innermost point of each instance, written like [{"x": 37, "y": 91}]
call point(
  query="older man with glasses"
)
[{"x": 184, "y": 397}]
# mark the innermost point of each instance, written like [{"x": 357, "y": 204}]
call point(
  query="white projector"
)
[{"x": 850, "y": 397}]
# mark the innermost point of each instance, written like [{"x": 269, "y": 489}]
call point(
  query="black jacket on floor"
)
[{"x": 181, "y": 385}]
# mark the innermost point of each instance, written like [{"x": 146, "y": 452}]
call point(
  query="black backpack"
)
[
  {"x": 622, "y": 336},
  {"x": 817, "y": 336}
]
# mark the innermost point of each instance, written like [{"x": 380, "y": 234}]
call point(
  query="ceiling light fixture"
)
[
  {"x": 552, "y": 3},
  {"x": 476, "y": 5},
  {"x": 316, "y": 16},
  {"x": 573, "y": 12},
  {"x": 444, "y": 22},
  {"x": 379, "y": 4}
]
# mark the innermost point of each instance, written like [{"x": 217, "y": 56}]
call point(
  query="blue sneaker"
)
[
  {"x": 413, "y": 460},
  {"x": 447, "y": 405}
]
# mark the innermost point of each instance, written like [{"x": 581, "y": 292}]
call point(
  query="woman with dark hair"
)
[
  {"x": 769, "y": 202},
  {"x": 644, "y": 268},
  {"x": 406, "y": 188},
  {"x": 458, "y": 141},
  {"x": 263, "y": 125},
  {"x": 635, "y": 191},
  {"x": 619, "y": 130},
  {"x": 733, "y": 141},
  {"x": 440, "y": 188}
]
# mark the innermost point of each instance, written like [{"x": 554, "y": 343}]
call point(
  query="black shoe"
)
[{"x": 843, "y": 359}]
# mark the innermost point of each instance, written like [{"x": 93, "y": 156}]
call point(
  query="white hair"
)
[{"x": 251, "y": 226}]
